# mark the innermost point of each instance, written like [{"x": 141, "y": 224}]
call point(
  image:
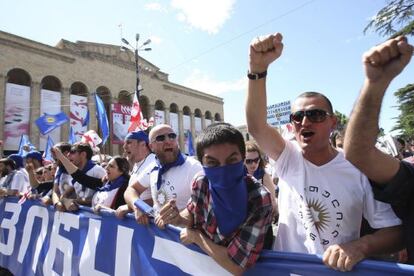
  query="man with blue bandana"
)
[
  {"x": 229, "y": 211},
  {"x": 168, "y": 177},
  {"x": 139, "y": 155}
]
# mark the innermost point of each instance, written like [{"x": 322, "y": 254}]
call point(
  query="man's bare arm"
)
[
  {"x": 263, "y": 51},
  {"x": 217, "y": 252},
  {"x": 131, "y": 194},
  {"x": 345, "y": 256},
  {"x": 382, "y": 64}
]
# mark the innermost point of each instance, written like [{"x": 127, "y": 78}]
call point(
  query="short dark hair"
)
[
  {"x": 63, "y": 146},
  {"x": 122, "y": 164},
  {"x": 312, "y": 94},
  {"x": 219, "y": 133},
  {"x": 83, "y": 147},
  {"x": 8, "y": 162}
]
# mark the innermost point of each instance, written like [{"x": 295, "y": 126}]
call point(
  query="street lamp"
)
[{"x": 135, "y": 50}]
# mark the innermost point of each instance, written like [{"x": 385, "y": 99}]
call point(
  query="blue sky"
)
[{"x": 204, "y": 44}]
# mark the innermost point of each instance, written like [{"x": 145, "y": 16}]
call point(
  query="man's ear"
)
[{"x": 334, "y": 120}]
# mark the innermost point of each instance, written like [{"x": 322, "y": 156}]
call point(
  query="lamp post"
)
[{"x": 135, "y": 50}]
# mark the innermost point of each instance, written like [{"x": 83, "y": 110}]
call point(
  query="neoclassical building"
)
[{"x": 38, "y": 78}]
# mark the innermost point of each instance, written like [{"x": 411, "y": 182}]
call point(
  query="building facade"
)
[{"x": 37, "y": 78}]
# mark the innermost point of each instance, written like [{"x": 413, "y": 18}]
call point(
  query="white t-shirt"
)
[
  {"x": 64, "y": 182},
  {"x": 176, "y": 183},
  {"x": 104, "y": 198},
  {"x": 83, "y": 192},
  {"x": 138, "y": 168},
  {"x": 15, "y": 180},
  {"x": 324, "y": 205}
]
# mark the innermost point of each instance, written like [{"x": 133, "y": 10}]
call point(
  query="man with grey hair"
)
[{"x": 169, "y": 177}]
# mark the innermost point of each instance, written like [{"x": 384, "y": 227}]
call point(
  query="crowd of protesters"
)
[{"x": 226, "y": 198}]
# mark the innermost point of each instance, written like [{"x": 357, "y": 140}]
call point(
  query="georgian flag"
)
[
  {"x": 137, "y": 119},
  {"x": 92, "y": 138}
]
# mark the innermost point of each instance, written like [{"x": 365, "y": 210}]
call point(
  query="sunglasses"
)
[
  {"x": 313, "y": 115},
  {"x": 161, "y": 138},
  {"x": 251, "y": 161}
]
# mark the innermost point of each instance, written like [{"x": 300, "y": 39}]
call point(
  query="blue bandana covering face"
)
[{"x": 228, "y": 190}]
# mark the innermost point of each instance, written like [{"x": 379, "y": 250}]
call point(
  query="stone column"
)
[
  {"x": 65, "y": 104},
  {"x": 203, "y": 121},
  {"x": 167, "y": 115},
  {"x": 3, "y": 82},
  {"x": 93, "y": 121},
  {"x": 192, "y": 123},
  {"x": 34, "y": 113},
  {"x": 180, "y": 129}
]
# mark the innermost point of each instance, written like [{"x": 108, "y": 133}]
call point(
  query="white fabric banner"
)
[
  {"x": 16, "y": 114},
  {"x": 174, "y": 122},
  {"x": 159, "y": 117},
  {"x": 198, "y": 126},
  {"x": 186, "y": 122},
  {"x": 78, "y": 111},
  {"x": 50, "y": 104},
  {"x": 208, "y": 122}
]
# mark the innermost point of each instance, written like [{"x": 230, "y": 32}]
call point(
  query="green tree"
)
[
  {"x": 405, "y": 121},
  {"x": 395, "y": 19},
  {"x": 342, "y": 120}
]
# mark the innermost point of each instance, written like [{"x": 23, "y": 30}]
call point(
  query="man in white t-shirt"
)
[
  {"x": 169, "y": 177},
  {"x": 13, "y": 181},
  {"x": 139, "y": 155},
  {"x": 322, "y": 196},
  {"x": 80, "y": 155}
]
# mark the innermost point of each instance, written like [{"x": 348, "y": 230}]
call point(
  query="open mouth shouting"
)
[{"x": 306, "y": 135}]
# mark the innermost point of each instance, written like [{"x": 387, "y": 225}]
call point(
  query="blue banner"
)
[
  {"x": 48, "y": 122},
  {"x": 36, "y": 240}
]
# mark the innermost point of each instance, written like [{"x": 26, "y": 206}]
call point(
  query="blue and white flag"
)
[
  {"x": 48, "y": 122},
  {"x": 72, "y": 137},
  {"x": 102, "y": 118},
  {"x": 191, "y": 151},
  {"x": 47, "y": 155},
  {"x": 25, "y": 146}
]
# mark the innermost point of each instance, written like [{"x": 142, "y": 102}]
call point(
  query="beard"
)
[{"x": 166, "y": 157}]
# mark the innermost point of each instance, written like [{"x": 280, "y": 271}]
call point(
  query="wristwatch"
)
[{"x": 256, "y": 76}]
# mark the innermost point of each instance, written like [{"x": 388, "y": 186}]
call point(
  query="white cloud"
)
[
  {"x": 156, "y": 39},
  {"x": 155, "y": 7},
  {"x": 205, "y": 83},
  {"x": 207, "y": 16}
]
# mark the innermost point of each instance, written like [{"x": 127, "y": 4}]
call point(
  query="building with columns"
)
[{"x": 38, "y": 78}]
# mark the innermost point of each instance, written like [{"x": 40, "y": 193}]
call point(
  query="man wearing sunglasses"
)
[
  {"x": 394, "y": 179},
  {"x": 169, "y": 177},
  {"x": 322, "y": 196}
]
